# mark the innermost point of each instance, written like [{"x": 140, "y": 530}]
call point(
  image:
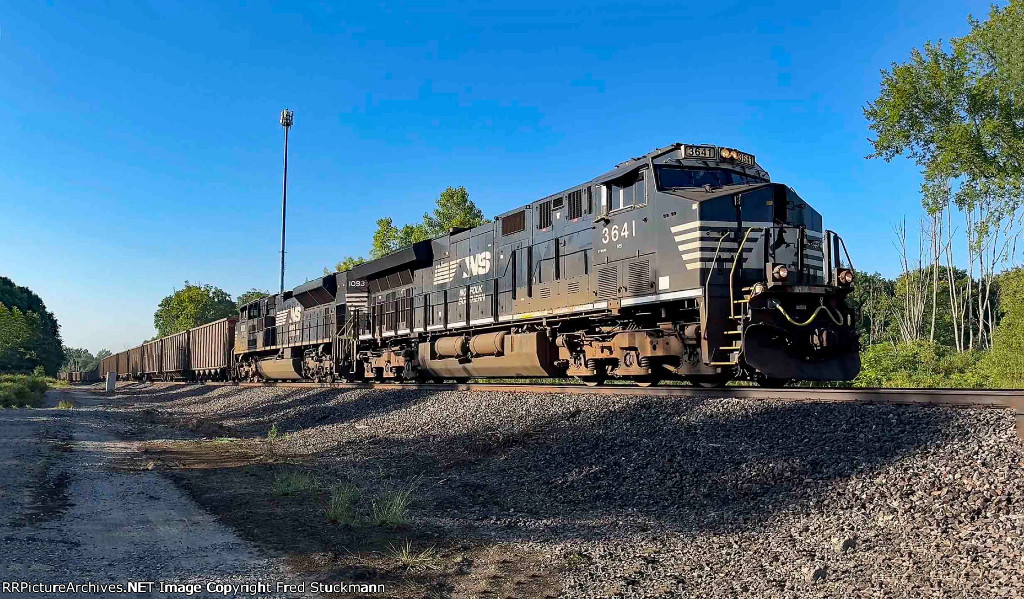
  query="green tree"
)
[
  {"x": 453, "y": 210},
  {"x": 347, "y": 264},
  {"x": 43, "y": 347},
  {"x": 957, "y": 110},
  {"x": 1005, "y": 361},
  {"x": 80, "y": 359},
  {"x": 103, "y": 353},
  {"x": 248, "y": 296},
  {"x": 19, "y": 333},
  {"x": 190, "y": 307}
]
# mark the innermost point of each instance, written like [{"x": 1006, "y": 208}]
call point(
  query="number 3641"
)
[{"x": 617, "y": 232}]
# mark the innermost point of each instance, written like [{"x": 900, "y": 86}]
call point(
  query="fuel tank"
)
[{"x": 280, "y": 369}]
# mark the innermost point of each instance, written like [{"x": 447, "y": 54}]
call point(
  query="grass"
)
[
  {"x": 272, "y": 433},
  {"x": 65, "y": 404},
  {"x": 341, "y": 507},
  {"x": 294, "y": 483},
  {"x": 412, "y": 560},
  {"x": 390, "y": 507}
]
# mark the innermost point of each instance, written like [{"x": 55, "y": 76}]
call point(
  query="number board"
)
[
  {"x": 737, "y": 156},
  {"x": 707, "y": 152}
]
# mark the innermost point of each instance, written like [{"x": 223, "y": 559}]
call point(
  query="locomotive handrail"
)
[
  {"x": 714, "y": 262},
  {"x": 732, "y": 272}
]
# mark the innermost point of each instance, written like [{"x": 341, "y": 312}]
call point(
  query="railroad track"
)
[{"x": 966, "y": 398}]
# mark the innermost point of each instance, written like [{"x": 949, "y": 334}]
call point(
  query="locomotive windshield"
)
[{"x": 672, "y": 177}]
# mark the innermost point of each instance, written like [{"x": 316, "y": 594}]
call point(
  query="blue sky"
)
[{"x": 140, "y": 144}]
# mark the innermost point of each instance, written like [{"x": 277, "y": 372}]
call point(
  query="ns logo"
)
[
  {"x": 476, "y": 265},
  {"x": 471, "y": 266}
]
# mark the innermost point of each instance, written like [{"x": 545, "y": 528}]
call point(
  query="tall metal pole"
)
[{"x": 287, "y": 118}]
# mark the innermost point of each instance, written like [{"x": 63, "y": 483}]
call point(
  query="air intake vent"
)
[
  {"x": 557, "y": 203},
  {"x": 573, "y": 287},
  {"x": 544, "y": 215},
  {"x": 639, "y": 276},
  {"x": 608, "y": 281},
  {"x": 513, "y": 223},
  {"x": 544, "y": 292},
  {"x": 575, "y": 204}
]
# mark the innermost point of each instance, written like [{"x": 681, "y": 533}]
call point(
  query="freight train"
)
[{"x": 685, "y": 263}]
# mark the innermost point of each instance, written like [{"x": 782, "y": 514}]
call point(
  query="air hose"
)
[{"x": 812, "y": 317}]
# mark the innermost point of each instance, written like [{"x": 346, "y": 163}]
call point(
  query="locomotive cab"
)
[{"x": 785, "y": 280}]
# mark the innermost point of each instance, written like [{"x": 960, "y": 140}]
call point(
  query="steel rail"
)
[{"x": 965, "y": 398}]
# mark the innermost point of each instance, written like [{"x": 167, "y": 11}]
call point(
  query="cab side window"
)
[{"x": 630, "y": 190}]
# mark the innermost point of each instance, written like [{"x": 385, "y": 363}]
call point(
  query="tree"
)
[
  {"x": 248, "y": 296},
  {"x": 454, "y": 210},
  {"x": 957, "y": 110},
  {"x": 347, "y": 264},
  {"x": 103, "y": 353},
  {"x": 42, "y": 346},
  {"x": 1005, "y": 361},
  {"x": 19, "y": 333},
  {"x": 81, "y": 359},
  {"x": 190, "y": 307}
]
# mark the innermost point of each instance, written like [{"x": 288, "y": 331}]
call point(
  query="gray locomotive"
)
[{"x": 686, "y": 263}]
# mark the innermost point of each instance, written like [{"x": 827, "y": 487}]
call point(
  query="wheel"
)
[
  {"x": 591, "y": 381},
  {"x": 647, "y": 381},
  {"x": 709, "y": 382}
]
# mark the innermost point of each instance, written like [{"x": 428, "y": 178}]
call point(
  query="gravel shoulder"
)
[
  {"x": 67, "y": 513},
  {"x": 532, "y": 495}
]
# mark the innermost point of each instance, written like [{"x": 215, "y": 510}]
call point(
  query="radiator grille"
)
[
  {"x": 639, "y": 276},
  {"x": 573, "y": 287},
  {"x": 608, "y": 281},
  {"x": 513, "y": 223},
  {"x": 544, "y": 292}
]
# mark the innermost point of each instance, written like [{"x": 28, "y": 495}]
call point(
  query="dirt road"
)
[{"x": 69, "y": 513}]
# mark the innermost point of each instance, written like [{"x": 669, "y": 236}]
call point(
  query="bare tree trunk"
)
[
  {"x": 915, "y": 288},
  {"x": 936, "y": 233}
]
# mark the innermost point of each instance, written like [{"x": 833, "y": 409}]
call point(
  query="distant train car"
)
[
  {"x": 152, "y": 360},
  {"x": 210, "y": 355},
  {"x": 135, "y": 366},
  {"x": 175, "y": 350}
]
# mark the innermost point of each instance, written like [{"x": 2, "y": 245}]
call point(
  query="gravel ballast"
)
[{"x": 656, "y": 497}]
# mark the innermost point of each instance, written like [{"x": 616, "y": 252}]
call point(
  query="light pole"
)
[{"x": 287, "y": 118}]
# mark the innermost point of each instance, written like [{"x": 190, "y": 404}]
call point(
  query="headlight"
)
[
  {"x": 845, "y": 277},
  {"x": 780, "y": 272}
]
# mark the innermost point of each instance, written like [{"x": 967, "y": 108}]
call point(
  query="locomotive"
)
[{"x": 685, "y": 263}]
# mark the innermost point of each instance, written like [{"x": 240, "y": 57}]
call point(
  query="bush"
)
[
  {"x": 1004, "y": 364},
  {"x": 920, "y": 364},
  {"x": 20, "y": 390}
]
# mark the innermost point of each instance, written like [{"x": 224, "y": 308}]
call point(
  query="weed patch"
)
[
  {"x": 294, "y": 483},
  {"x": 341, "y": 507}
]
